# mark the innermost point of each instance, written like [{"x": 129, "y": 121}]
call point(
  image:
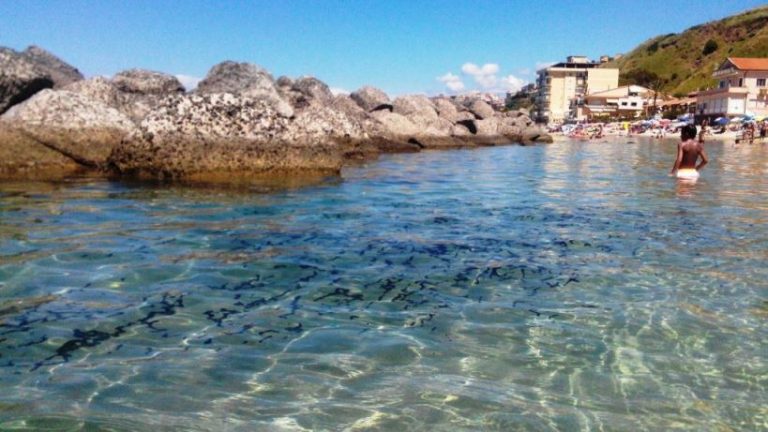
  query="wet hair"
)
[{"x": 688, "y": 132}]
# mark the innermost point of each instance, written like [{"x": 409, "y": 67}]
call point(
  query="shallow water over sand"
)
[{"x": 566, "y": 287}]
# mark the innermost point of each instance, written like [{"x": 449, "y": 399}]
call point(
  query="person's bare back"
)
[{"x": 688, "y": 152}]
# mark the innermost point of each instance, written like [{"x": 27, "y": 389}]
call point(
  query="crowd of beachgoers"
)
[{"x": 737, "y": 129}]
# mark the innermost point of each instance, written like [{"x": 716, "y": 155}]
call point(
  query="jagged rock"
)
[
  {"x": 140, "y": 91},
  {"x": 83, "y": 129},
  {"x": 144, "y": 82},
  {"x": 305, "y": 91},
  {"x": 415, "y": 107},
  {"x": 320, "y": 123},
  {"x": 397, "y": 128},
  {"x": 313, "y": 89},
  {"x": 20, "y": 78},
  {"x": 345, "y": 104},
  {"x": 371, "y": 99},
  {"x": 534, "y": 134},
  {"x": 60, "y": 72},
  {"x": 198, "y": 136},
  {"x": 215, "y": 115},
  {"x": 284, "y": 82},
  {"x": 98, "y": 88},
  {"x": 246, "y": 80},
  {"x": 396, "y": 124},
  {"x": 481, "y": 110},
  {"x": 65, "y": 109},
  {"x": 446, "y": 109},
  {"x": 134, "y": 93}
]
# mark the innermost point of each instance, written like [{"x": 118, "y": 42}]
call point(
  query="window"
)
[
  {"x": 741, "y": 82},
  {"x": 722, "y": 83},
  {"x": 623, "y": 104},
  {"x": 761, "y": 82},
  {"x": 634, "y": 104}
]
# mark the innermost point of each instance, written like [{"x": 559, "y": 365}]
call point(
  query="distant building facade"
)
[
  {"x": 742, "y": 89},
  {"x": 563, "y": 86},
  {"x": 622, "y": 102}
]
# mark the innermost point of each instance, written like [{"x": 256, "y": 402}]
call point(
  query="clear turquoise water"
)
[{"x": 566, "y": 287}]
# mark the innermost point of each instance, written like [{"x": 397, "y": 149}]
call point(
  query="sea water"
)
[{"x": 573, "y": 286}]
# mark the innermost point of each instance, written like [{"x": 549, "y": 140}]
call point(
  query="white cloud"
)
[
  {"x": 339, "y": 91},
  {"x": 512, "y": 83},
  {"x": 524, "y": 71},
  {"x": 453, "y": 82},
  {"x": 484, "y": 75},
  {"x": 486, "y": 79},
  {"x": 189, "y": 82}
]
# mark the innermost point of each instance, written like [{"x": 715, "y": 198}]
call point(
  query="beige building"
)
[
  {"x": 741, "y": 89},
  {"x": 563, "y": 86},
  {"x": 622, "y": 102}
]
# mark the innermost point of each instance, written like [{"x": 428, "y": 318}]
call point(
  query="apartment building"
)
[
  {"x": 741, "y": 89},
  {"x": 623, "y": 102},
  {"x": 563, "y": 86}
]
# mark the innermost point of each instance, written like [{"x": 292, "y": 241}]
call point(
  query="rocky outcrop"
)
[
  {"x": 140, "y": 91},
  {"x": 147, "y": 83},
  {"x": 135, "y": 92},
  {"x": 60, "y": 72},
  {"x": 371, "y": 99},
  {"x": 100, "y": 89},
  {"x": 238, "y": 123},
  {"x": 77, "y": 126},
  {"x": 215, "y": 115},
  {"x": 481, "y": 110},
  {"x": 246, "y": 80},
  {"x": 203, "y": 136},
  {"x": 20, "y": 78},
  {"x": 313, "y": 90},
  {"x": 22, "y": 156}
]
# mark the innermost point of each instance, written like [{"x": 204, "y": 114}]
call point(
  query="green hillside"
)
[{"x": 680, "y": 63}]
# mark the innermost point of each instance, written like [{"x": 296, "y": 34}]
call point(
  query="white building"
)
[
  {"x": 563, "y": 83},
  {"x": 741, "y": 89},
  {"x": 626, "y": 101}
]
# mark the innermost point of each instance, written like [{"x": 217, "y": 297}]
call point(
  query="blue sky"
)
[{"x": 411, "y": 46}]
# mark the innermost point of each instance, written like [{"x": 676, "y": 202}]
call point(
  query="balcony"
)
[{"x": 724, "y": 92}]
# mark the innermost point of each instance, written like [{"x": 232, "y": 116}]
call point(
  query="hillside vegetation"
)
[{"x": 680, "y": 63}]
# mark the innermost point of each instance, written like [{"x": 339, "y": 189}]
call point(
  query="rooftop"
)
[{"x": 747, "y": 63}]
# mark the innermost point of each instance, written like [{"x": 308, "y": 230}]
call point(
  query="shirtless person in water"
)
[{"x": 688, "y": 152}]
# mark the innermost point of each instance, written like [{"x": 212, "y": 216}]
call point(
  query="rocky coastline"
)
[{"x": 238, "y": 123}]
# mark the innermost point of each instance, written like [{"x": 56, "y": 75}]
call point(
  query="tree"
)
[{"x": 709, "y": 47}]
